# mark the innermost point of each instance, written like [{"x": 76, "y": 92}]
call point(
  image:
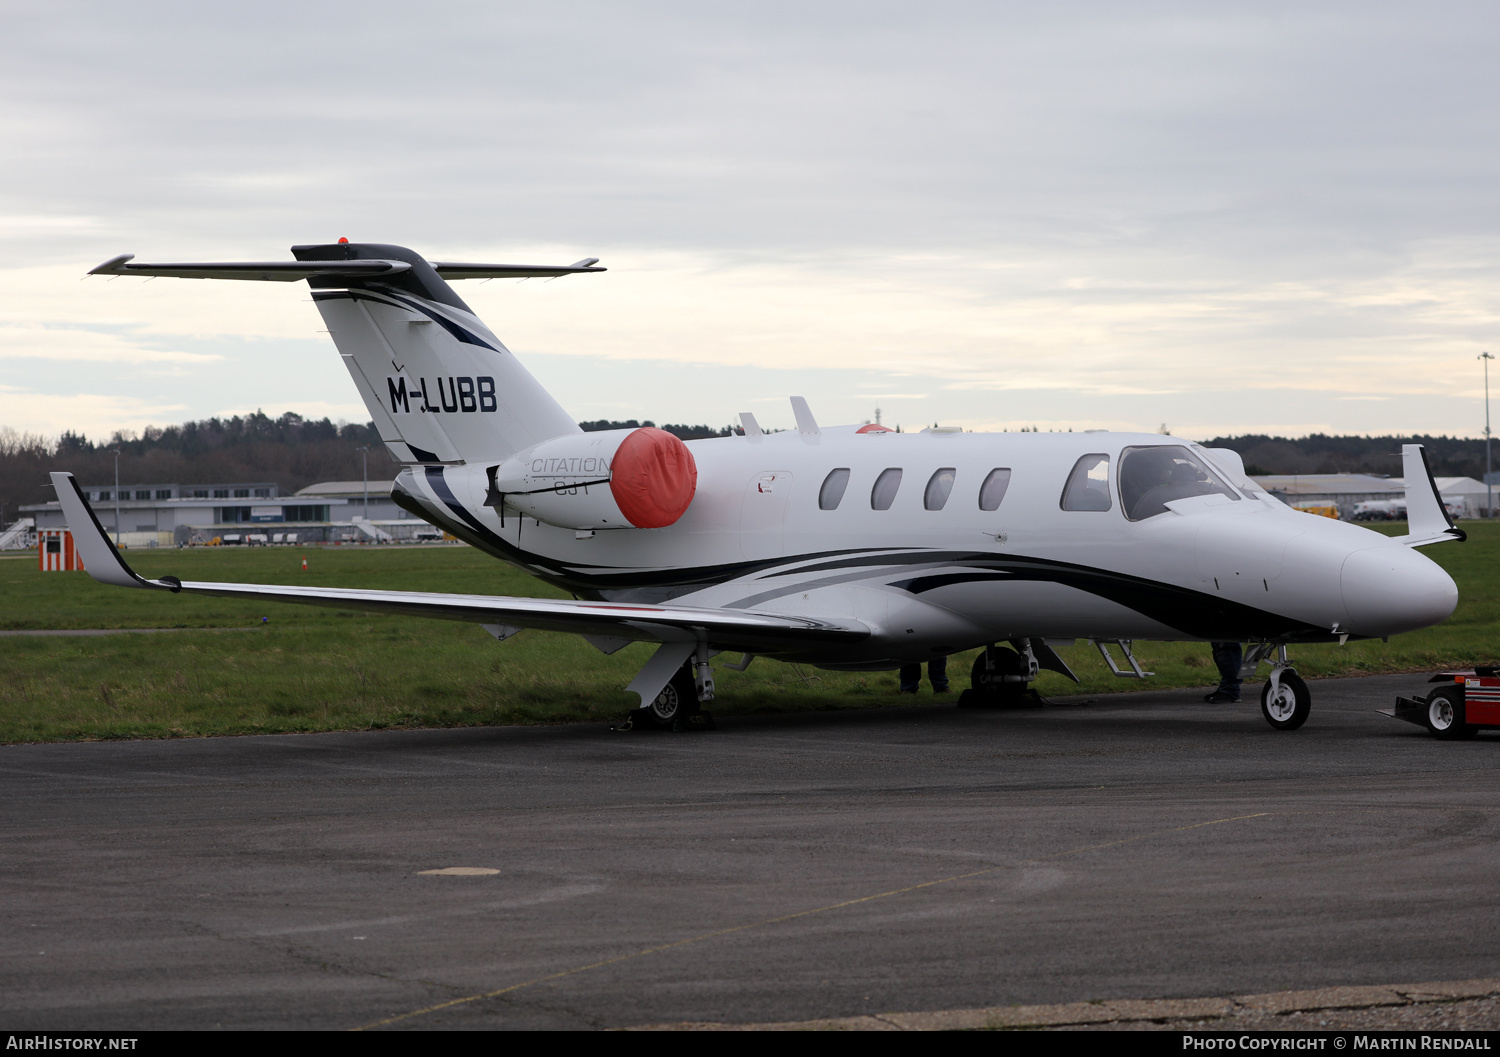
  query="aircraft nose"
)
[{"x": 1393, "y": 589}]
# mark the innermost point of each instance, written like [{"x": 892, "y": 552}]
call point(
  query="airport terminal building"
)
[
  {"x": 167, "y": 515},
  {"x": 1346, "y": 490}
]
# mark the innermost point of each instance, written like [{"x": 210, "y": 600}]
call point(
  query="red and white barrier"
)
[{"x": 56, "y": 551}]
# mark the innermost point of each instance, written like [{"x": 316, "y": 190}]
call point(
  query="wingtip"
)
[{"x": 113, "y": 266}]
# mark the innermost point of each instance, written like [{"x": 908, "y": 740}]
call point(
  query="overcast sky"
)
[{"x": 1224, "y": 218}]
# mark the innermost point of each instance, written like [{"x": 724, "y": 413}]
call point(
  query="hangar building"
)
[{"x": 165, "y": 515}]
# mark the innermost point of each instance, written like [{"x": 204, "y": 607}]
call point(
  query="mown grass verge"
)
[{"x": 234, "y": 668}]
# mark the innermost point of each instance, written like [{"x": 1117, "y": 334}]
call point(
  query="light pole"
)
[
  {"x": 1489, "y": 494},
  {"x": 116, "y": 453},
  {"x": 364, "y": 450}
]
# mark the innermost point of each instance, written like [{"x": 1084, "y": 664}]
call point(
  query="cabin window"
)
[
  {"x": 1088, "y": 484},
  {"x": 832, "y": 492},
  {"x": 1151, "y": 477},
  {"x": 884, "y": 492},
  {"x": 939, "y": 487},
  {"x": 993, "y": 489}
]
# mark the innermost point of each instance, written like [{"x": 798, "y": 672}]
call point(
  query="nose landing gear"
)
[{"x": 1285, "y": 700}]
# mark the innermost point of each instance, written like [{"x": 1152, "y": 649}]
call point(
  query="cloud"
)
[
  {"x": 73, "y": 344},
  {"x": 94, "y": 414},
  {"x": 1123, "y": 210}
]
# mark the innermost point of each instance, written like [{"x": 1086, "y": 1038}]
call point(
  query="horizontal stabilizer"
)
[
  {"x": 291, "y": 271},
  {"x": 450, "y": 270},
  {"x": 263, "y": 271},
  {"x": 730, "y": 629}
]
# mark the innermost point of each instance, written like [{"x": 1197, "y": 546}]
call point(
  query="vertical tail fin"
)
[{"x": 439, "y": 385}]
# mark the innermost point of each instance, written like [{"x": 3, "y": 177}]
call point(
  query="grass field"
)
[{"x": 234, "y": 668}]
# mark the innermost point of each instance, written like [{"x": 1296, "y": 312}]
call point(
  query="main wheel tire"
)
[
  {"x": 1291, "y": 705},
  {"x": 988, "y": 678},
  {"x": 677, "y": 699},
  {"x": 1445, "y": 714},
  {"x": 988, "y": 688}
]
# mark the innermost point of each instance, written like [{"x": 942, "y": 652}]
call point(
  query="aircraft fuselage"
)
[{"x": 928, "y": 581}]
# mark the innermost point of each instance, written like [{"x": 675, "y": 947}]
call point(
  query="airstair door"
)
[{"x": 763, "y": 516}]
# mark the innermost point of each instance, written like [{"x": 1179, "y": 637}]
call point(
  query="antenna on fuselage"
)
[{"x": 806, "y": 424}]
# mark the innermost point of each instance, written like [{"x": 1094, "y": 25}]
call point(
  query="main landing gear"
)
[
  {"x": 1001, "y": 677},
  {"x": 676, "y": 708}
]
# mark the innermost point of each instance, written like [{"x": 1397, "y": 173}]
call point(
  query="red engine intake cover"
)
[{"x": 653, "y": 478}]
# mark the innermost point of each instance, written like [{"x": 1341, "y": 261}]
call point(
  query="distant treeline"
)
[
  {"x": 1319, "y": 453},
  {"x": 682, "y": 432},
  {"x": 290, "y": 450}
]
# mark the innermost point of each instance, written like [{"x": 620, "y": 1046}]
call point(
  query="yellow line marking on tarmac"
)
[{"x": 792, "y": 917}]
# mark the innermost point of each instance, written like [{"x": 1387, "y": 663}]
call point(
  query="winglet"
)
[
  {"x": 101, "y": 559},
  {"x": 1426, "y": 515}
]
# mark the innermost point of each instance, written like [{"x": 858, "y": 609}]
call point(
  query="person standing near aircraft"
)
[
  {"x": 937, "y": 674},
  {"x": 1228, "y": 656}
]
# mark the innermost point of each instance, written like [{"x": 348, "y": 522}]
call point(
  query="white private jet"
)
[{"x": 846, "y": 547}]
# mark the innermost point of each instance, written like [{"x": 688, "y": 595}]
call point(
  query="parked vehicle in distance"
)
[
  {"x": 1465, "y": 703},
  {"x": 1381, "y": 510}
]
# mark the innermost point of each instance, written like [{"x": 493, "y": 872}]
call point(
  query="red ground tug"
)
[{"x": 1465, "y": 704}]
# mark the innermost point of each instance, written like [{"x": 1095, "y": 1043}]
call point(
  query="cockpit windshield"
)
[{"x": 1151, "y": 477}]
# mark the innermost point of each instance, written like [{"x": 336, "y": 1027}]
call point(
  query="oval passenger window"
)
[
  {"x": 884, "y": 492},
  {"x": 939, "y": 487},
  {"x": 993, "y": 490},
  {"x": 832, "y": 492}
]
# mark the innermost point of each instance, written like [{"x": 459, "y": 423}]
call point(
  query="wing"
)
[{"x": 738, "y": 629}]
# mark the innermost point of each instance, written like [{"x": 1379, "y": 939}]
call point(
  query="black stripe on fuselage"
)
[
  {"x": 587, "y": 580},
  {"x": 1194, "y": 613}
]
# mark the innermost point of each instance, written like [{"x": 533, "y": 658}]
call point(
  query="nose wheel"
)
[{"x": 1285, "y": 700}]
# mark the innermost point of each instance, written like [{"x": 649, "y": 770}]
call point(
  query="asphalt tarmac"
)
[{"x": 781, "y": 868}]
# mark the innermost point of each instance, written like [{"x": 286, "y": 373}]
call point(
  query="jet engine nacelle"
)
[{"x": 612, "y": 479}]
